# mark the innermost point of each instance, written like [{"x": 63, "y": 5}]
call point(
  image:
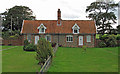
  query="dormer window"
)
[
  {"x": 75, "y": 29},
  {"x": 41, "y": 28}
]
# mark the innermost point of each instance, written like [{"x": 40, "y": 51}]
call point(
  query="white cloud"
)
[{"x": 47, "y": 9}]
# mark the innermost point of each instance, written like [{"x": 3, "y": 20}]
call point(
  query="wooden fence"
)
[{"x": 48, "y": 61}]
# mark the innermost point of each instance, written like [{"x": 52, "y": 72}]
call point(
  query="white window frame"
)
[
  {"x": 76, "y": 29},
  {"x": 41, "y": 28},
  {"x": 28, "y": 37},
  {"x": 88, "y": 37},
  {"x": 49, "y": 36},
  {"x": 69, "y": 37}
]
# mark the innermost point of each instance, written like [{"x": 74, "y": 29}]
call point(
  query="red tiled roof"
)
[{"x": 86, "y": 26}]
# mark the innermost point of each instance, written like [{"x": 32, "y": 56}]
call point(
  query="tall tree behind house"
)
[{"x": 102, "y": 12}]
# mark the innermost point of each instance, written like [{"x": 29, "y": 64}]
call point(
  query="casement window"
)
[
  {"x": 41, "y": 28},
  {"x": 48, "y": 38},
  {"x": 29, "y": 37},
  {"x": 69, "y": 38},
  {"x": 75, "y": 29},
  {"x": 88, "y": 38}
]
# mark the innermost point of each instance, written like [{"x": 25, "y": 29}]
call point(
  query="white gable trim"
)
[
  {"x": 39, "y": 27},
  {"x": 75, "y": 25},
  {"x": 77, "y": 29}
]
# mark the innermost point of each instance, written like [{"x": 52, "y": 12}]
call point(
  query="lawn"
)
[
  {"x": 94, "y": 60},
  {"x": 17, "y": 60}
]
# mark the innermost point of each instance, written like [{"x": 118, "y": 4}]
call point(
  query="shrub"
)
[
  {"x": 118, "y": 37},
  {"x": 44, "y": 49},
  {"x": 101, "y": 44},
  {"x": 84, "y": 48},
  {"x": 26, "y": 42},
  {"x": 111, "y": 41},
  {"x": 103, "y": 37},
  {"x": 30, "y": 47}
]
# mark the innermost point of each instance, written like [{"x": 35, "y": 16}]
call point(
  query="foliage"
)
[
  {"x": 84, "y": 48},
  {"x": 10, "y": 35},
  {"x": 17, "y": 14},
  {"x": 30, "y": 47},
  {"x": 118, "y": 29},
  {"x": 101, "y": 44},
  {"x": 118, "y": 37},
  {"x": 108, "y": 40},
  {"x": 103, "y": 37},
  {"x": 103, "y": 15},
  {"x": 44, "y": 49},
  {"x": 26, "y": 42},
  {"x": 111, "y": 41}
]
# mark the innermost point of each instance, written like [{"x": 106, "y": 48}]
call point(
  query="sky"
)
[{"x": 47, "y": 9}]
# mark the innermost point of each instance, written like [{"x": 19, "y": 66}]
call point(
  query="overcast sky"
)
[{"x": 47, "y": 9}]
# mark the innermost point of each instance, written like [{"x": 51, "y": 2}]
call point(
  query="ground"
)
[
  {"x": 17, "y": 60},
  {"x": 94, "y": 60},
  {"x": 65, "y": 60}
]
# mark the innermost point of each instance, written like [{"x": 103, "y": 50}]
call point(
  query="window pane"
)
[
  {"x": 67, "y": 38},
  {"x": 29, "y": 37},
  {"x": 75, "y": 31},
  {"x": 42, "y": 29},
  {"x": 71, "y": 38},
  {"x": 48, "y": 38}
]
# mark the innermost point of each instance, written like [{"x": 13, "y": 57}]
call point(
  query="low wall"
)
[{"x": 14, "y": 42}]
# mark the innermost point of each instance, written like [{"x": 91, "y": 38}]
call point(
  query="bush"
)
[
  {"x": 44, "y": 49},
  {"x": 84, "y": 48},
  {"x": 111, "y": 41},
  {"x": 118, "y": 37},
  {"x": 26, "y": 42},
  {"x": 30, "y": 47},
  {"x": 101, "y": 44},
  {"x": 103, "y": 37}
]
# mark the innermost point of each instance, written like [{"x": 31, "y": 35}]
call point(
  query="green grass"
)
[
  {"x": 6, "y": 47},
  {"x": 17, "y": 60},
  {"x": 94, "y": 60}
]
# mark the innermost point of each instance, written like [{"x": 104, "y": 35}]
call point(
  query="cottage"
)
[{"x": 68, "y": 33}]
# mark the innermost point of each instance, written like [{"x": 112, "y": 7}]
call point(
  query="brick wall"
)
[{"x": 14, "y": 42}]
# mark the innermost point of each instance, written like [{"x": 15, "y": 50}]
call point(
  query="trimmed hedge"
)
[{"x": 29, "y": 47}]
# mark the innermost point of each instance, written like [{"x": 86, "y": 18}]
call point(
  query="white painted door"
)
[
  {"x": 36, "y": 39},
  {"x": 80, "y": 40}
]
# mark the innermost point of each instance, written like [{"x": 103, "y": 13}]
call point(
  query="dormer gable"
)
[
  {"x": 75, "y": 29},
  {"x": 41, "y": 28}
]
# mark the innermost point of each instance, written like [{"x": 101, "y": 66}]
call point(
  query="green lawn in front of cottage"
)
[
  {"x": 5, "y": 47},
  {"x": 94, "y": 60},
  {"x": 17, "y": 60}
]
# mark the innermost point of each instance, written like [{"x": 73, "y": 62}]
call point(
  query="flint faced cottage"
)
[{"x": 68, "y": 33}]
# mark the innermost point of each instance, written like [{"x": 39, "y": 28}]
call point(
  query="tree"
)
[
  {"x": 44, "y": 49},
  {"x": 102, "y": 12},
  {"x": 16, "y": 15}
]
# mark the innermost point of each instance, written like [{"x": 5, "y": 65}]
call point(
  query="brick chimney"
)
[{"x": 59, "y": 17}]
